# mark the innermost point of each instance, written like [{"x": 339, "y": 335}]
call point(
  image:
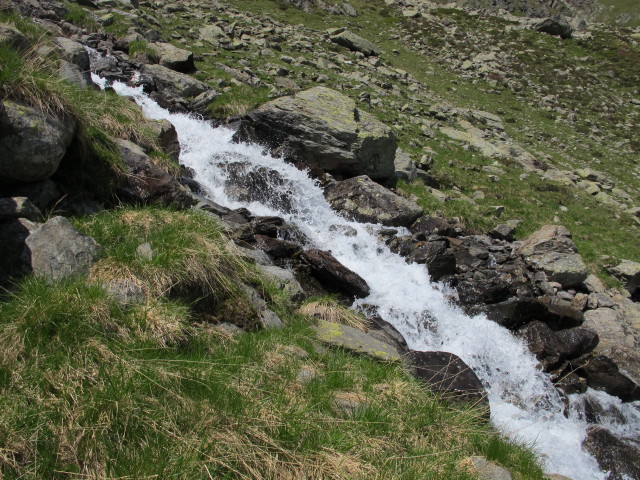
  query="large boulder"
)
[
  {"x": 446, "y": 374},
  {"x": 174, "y": 84},
  {"x": 354, "y": 42},
  {"x": 334, "y": 276},
  {"x": 56, "y": 250},
  {"x": 553, "y": 26},
  {"x": 362, "y": 199},
  {"x": 323, "y": 128},
  {"x": 32, "y": 142},
  {"x": 552, "y": 251},
  {"x": 173, "y": 57},
  {"x": 144, "y": 182}
]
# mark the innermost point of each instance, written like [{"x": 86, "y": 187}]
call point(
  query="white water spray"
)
[{"x": 524, "y": 404}]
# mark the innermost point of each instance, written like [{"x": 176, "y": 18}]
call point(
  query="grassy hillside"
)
[{"x": 90, "y": 388}]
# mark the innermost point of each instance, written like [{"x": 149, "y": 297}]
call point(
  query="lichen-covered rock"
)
[
  {"x": 32, "y": 142},
  {"x": 173, "y": 57},
  {"x": 355, "y": 340},
  {"x": 323, "y": 128},
  {"x": 362, "y": 199},
  {"x": 56, "y": 250}
]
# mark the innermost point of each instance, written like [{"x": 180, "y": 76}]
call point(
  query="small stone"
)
[{"x": 144, "y": 251}]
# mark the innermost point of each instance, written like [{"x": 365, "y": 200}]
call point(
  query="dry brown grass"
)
[{"x": 331, "y": 311}]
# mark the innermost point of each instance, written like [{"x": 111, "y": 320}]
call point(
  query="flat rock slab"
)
[
  {"x": 353, "y": 339},
  {"x": 323, "y": 128},
  {"x": 362, "y": 199},
  {"x": 355, "y": 43},
  {"x": 57, "y": 250}
]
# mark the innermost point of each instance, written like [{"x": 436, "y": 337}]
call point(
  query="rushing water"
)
[{"x": 524, "y": 404}]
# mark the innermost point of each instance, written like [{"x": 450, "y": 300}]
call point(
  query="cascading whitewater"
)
[{"x": 524, "y": 404}]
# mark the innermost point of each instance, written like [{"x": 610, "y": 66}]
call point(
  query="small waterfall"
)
[{"x": 524, "y": 404}]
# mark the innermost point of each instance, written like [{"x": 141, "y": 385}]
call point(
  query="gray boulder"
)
[
  {"x": 174, "y": 58},
  {"x": 32, "y": 142},
  {"x": 145, "y": 182},
  {"x": 404, "y": 166},
  {"x": 323, "y": 128},
  {"x": 362, "y": 199},
  {"x": 174, "y": 84},
  {"x": 75, "y": 65},
  {"x": 354, "y": 42},
  {"x": 552, "y": 251},
  {"x": 628, "y": 273},
  {"x": 56, "y": 250}
]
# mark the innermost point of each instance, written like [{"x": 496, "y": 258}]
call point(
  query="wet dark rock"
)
[
  {"x": 493, "y": 288},
  {"x": 603, "y": 374},
  {"x": 387, "y": 333},
  {"x": 333, "y": 275},
  {"x": 323, "y": 128},
  {"x": 276, "y": 248},
  {"x": 620, "y": 458},
  {"x": 146, "y": 183},
  {"x": 553, "y": 26},
  {"x": 446, "y": 374},
  {"x": 362, "y": 199}
]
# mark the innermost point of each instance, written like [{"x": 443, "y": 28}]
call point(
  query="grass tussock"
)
[
  {"x": 189, "y": 256},
  {"x": 329, "y": 310},
  {"x": 239, "y": 101}
]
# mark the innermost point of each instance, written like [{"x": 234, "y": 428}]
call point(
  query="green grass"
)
[
  {"x": 81, "y": 17},
  {"x": 91, "y": 389}
]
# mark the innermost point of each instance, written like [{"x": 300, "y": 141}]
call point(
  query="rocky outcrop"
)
[
  {"x": 145, "y": 182},
  {"x": 361, "y": 199},
  {"x": 552, "y": 251},
  {"x": 323, "y": 128},
  {"x": 56, "y": 250},
  {"x": 32, "y": 142}
]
